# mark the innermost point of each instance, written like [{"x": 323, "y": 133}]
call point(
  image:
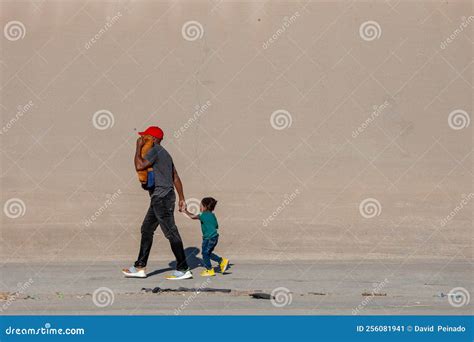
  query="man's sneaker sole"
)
[
  {"x": 134, "y": 275},
  {"x": 187, "y": 275}
]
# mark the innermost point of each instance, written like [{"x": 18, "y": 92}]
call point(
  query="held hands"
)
[{"x": 182, "y": 205}]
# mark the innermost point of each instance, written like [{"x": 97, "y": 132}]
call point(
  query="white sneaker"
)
[
  {"x": 180, "y": 275},
  {"x": 133, "y": 272}
]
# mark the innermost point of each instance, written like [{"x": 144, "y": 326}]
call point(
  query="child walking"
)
[{"x": 210, "y": 236}]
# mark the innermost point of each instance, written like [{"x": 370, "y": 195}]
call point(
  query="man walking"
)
[{"x": 161, "y": 210}]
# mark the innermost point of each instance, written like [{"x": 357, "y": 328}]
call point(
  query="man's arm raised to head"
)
[
  {"x": 140, "y": 162},
  {"x": 179, "y": 188}
]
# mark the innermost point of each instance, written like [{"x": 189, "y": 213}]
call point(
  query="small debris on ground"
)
[
  {"x": 5, "y": 295},
  {"x": 185, "y": 289},
  {"x": 261, "y": 295},
  {"x": 373, "y": 294},
  {"x": 454, "y": 295}
]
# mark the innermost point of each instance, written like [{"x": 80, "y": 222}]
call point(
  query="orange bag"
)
[{"x": 143, "y": 175}]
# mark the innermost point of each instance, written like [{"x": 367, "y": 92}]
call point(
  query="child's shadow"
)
[{"x": 191, "y": 258}]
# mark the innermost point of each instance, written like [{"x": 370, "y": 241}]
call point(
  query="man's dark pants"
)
[{"x": 161, "y": 212}]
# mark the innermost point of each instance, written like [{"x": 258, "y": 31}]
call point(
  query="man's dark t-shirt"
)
[{"x": 163, "y": 167}]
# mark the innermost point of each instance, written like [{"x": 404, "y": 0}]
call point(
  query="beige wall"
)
[{"x": 318, "y": 68}]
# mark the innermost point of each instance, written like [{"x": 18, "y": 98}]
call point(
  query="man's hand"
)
[
  {"x": 191, "y": 215},
  {"x": 140, "y": 143},
  {"x": 182, "y": 204}
]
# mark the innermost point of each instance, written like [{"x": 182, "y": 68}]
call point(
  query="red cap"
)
[{"x": 154, "y": 131}]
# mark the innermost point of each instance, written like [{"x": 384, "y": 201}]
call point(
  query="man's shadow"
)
[{"x": 191, "y": 258}]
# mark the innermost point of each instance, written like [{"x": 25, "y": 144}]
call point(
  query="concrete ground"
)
[{"x": 319, "y": 288}]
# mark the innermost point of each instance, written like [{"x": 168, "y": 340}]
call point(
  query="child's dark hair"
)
[{"x": 209, "y": 203}]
